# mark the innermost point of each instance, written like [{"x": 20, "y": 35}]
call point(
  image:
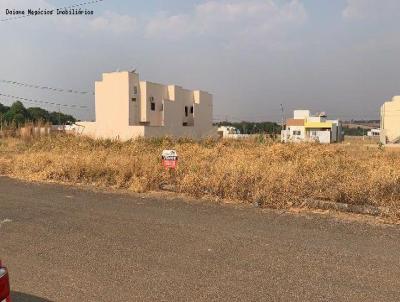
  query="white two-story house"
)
[{"x": 127, "y": 107}]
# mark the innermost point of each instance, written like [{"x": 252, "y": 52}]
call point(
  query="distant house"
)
[
  {"x": 227, "y": 130},
  {"x": 374, "y": 132},
  {"x": 390, "y": 121},
  {"x": 127, "y": 108},
  {"x": 230, "y": 132},
  {"x": 304, "y": 127}
]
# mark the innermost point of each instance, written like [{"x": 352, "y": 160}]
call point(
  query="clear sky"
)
[{"x": 337, "y": 56}]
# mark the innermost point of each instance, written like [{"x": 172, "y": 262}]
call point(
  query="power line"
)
[
  {"x": 44, "y": 87},
  {"x": 66, "y": 7},
  {"x": 221, "y": 118},
  {"x": 365, "y": 115},
  {"x": 41, "y": 102}
]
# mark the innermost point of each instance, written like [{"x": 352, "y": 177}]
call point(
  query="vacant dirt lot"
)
[{"x": 254, "y": 170}]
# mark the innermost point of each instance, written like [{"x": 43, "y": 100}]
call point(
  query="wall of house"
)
[
  {"x": 314, "y": 119},
  {"x": 112, "y": 100},
  {"x": 186, "y": 99},
  {"x": 158, "y": 93},
  {"x": 324, "y": 137},
  {"x": 318, "y": 135},
  {"x": 144, "y": 109},
  {"x": 301, "y": 114},
  {"x": 300, "y": 137},
  {"x": 203, "y": 111},
  {"x": 114, "y": 108},
  {"x": 134, "y": 99},
  {"x": 337, "y": 129},
  {"x": 334, "y": 133},
  {"x": 94, "y": 130},
  {"x": 390, "y": 120},
  {"x": 172, "y": 110}
]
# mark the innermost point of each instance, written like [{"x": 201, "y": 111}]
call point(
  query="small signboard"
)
[{"x": 169, "y": 159}]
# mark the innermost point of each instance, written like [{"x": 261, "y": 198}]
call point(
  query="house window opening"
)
[
  {"x": 191, "y": 109},
  {"x": 152, "y": 104},
  {"x": 186, "y": 111}
]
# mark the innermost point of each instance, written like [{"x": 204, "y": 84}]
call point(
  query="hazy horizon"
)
[{"x": 339, "y": 56}]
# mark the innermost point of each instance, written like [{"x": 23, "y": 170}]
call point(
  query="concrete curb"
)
[
  {"x": 167, "y": 187},
  {"x": 345, "y": 207}
]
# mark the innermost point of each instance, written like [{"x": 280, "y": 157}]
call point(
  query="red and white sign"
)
[{"x": 169, "y": 159}]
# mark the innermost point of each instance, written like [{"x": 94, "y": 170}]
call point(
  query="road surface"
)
[{"x": 67, "y": 244}]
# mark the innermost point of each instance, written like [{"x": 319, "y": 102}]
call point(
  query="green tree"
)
[
  {"x": 17, "y": 114},
  {"x": 19, "y": 108},
  {"x": 19, "y": 119},
  {"x": 57, "y": 118},
  {"x": 3, "y": 109},
  {"x": 39, "y": 115},
  {"x": 354, "y": 131}
]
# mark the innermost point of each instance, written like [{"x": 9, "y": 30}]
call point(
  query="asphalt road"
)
[{"x": 67, "y": 244}]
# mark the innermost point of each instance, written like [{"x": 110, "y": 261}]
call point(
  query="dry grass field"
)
[{"x": 274, "y": 174}]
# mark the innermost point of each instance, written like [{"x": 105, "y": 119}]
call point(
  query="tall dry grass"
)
[{"x": 277, "y": 175}]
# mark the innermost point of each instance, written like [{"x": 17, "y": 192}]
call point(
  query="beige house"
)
[
  {"x": 390, "y": 121},
  {"x": 304, "y": 127},
  {"x": 128, "y": 108}
]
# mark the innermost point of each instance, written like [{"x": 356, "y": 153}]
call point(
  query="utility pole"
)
[{"x": 283, "y": 117}]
